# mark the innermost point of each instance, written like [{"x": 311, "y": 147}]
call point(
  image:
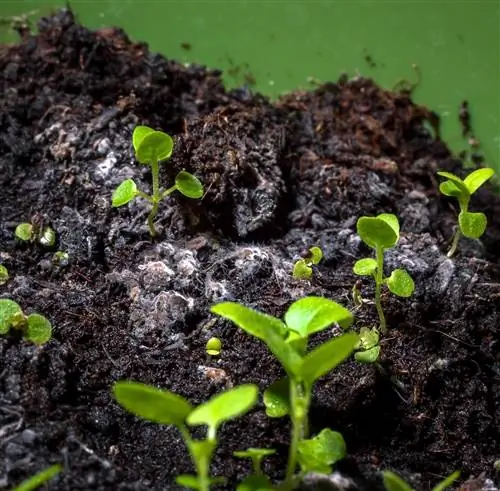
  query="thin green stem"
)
[
  {"x": 202, "y": 467},
  {"x": 379, "y": 278},
  {"x": 151, "y": 217},
  {"x": 454, "y": 244},
  {"x": 155, "y": 172},
  {"x": 141, "y": 194},
  {"x": 168, "y": 191}
]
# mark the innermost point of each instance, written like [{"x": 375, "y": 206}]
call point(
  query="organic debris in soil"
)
[{"x": 280, "y": 177}]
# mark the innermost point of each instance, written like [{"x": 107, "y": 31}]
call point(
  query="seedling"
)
[
  {"x": 29, "y": 232},
  {"x": 4, "y": 275},
  {"x": 165, "y": 407},
  {"x": 302, "y": 269},
  {"x": 213, "y": 347},
  {"x": 368, "y": 346},
  {"x": 39, "y": 479},
  {"x": 393, "y": 482},
  {"x": 151, "y": 147},
  {"x": 60, "y": 259},
  {"x": 471, "y": 225},
  {"x": 257, "y": 480},
  {"x": 381, "y": 233},
  {"x": 34, "y": 327},
  {"x": 288, "y": 341}
]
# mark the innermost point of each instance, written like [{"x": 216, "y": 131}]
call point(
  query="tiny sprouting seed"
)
[
  {"x": 471, "y": 225},
  {"x": 381, "y": 233},
  {"x": 394, "y": 482},
  {"x": 34, "y": 327},
  {"x": 4, "y": 275},
  {"x": 168, "y": 408},
  {"x": 60, "y": 259},
  {"x": 368, "y": 346},
  {"x": 39, "y": 479},
  {"x": 302, "y": 269},
  {"x": 213, "y": 347},
  {"x": 256, "y": 455},
  {"x": 288, "y": 341},
  {"x": 24, "y": 231},
  {"x": 27, "y": 232},
  {"x": 151, "y": 147}
]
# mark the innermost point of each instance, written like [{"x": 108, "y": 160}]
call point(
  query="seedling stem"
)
[{"x": 378, "y": 288}]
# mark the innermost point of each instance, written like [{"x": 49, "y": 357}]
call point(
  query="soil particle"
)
[{"x": 280, "y": 177}]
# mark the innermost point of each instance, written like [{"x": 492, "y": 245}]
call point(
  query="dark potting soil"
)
[{"x": 280, "y": 177}]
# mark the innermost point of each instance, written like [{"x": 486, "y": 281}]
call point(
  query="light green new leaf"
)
[
  {"x": 155, "y": 146},
  {"x": 8, "y": 309},
  {"x": 139, "y": 134},
  {"x": 24, "y": 231},
  {"x": 477, "y": 178},
  {"x": 4, "y": 275},
  {"x": 447, "y": 482},
  {"x": 456, "y": 181},
  {"x": 255, "y": 482},
  {"x": 254, "y": 453},
  {"x": 189, "y": 185},
  {"x": 223, "y": 407},
  {"x": 124, "y": 193},
  {"x": 327, "y": 356},
  {"x": 376, "y": 232},
  {"x": 316, "y": 255},
  {"x": 39, "y": 479},
  {"x": 301, "y": 271},
  {"x": 367, "y": 356},
  {"x": 318, "y": 454},
  {"x": 147, "y": 402},
  {"x": 449, "y": 189},
  {"x": 277, "y": 398},
  {"x": 39, "y": 329},
  {"x": 188, "y": 481},
  {"x": 400, "y": 283},
  {"x": 391, "y": 220},
  {"x": 368, "y": 338},
  {"x": 472, "y": 225},
  {"x": 365, "y": 267},
  {"x": 313, "y": 314},
  {"x": 393, "y": 482}
]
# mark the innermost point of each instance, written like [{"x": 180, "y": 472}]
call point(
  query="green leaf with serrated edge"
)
[
  {"x": 400, "y": 283},
  {"x": 39, "y": 479},
  {"x": 264, "y": 327},
  {"x": 375, "y": 232},
  {"x": 477, "y": 178},
  {"x": 327, "y": 356},
  {"x": 189, "y": 185},
  {"x": 151, "y": 404},
  {"x": 449, "y": 189},
  {"x": 392, "y": 221},
  {"x": 393, "y": 482},
  {"x": 315, "y": 255},
  {"x": 38, "y": 330},
  {"x": 255, "y": 482},
  {"x": 301, "y": 271},
  {"x": 447, "y": 482},
  {"x": 455, "y": 180},
  {"x": 8, "y": 309},
  {"x": 365, "y": 267},
  {"x": 124, "y": 193},
  {"x": 24, "y": 231},
  {"x": 313, "y": 314},
  {"x": 367, "y": 356},
  {"x": 319, "y": 453},
  {"x": 139, "y": 134},
  {"x": 472, "y": 225},
  {"x": 223, "y": 407},
  {"x": 154, "y": 147},
  {"x": 277, "y": 398}
]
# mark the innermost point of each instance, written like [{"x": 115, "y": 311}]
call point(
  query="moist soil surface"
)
[{"x": 280, "y": 177}]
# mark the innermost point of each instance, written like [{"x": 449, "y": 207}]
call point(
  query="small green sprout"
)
[
  {"x": 39, "y": 479},
  {"x": 393, "y": 482},
  {"x": 28, "y": 232},
  {"x": 165, "y": 407},
  {"x": 34, "y": 327},
  {"x": 257, "y": 480},
  {"x": 471, "y": 225},
  {"x": 213, "y": 347},
  {"x": 368, "y": 346},
  {"x": 24, "y": 231},
  {"x": 288, "y": 342},
  {"x": 60, "y": 259},
  {"x": 151, "y": 147},
  {"x": 4, "y": 275},
  {"x": 380, "y": 233},
  {"x": 302, "y": 269}
]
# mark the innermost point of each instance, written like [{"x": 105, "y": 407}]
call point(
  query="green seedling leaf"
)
[
  {"x": 223, "y": 407},
  {"x": 213, "y": 347},
  {"x": 318, "y": 454},
  {"x": 393, "y": 482},
  {"x": 301, "y": 271},
  {"x": 38, "y": 329},
  {"x": 188, "y": 481},
  {"x": 376, "y": 232},
  {"x": 8, "y": 310},
  {"x": 327, "y": 356},
  {"x": 48, "y": 237},
  {"x": 315, "y": 255},
  {"x": 255, "y": 482},
  {"x": 365, "y": 267},
  {"x": 154, "y": 147},
  {"x": 477, "y": 178},
  {"x": 367, "y": 356},
  {"x": 39, "y": 479},
  {"x": 277, "y": 398},
  {"x": 4, "y": 275},
  {"x": 139, "y": 134},
  {"x": 189, "y": 185},
  {"x": 472, "y": 225},
  {"x": 459, "y": 184},
  {"x": 400, "y": 283},
  {"x": 368, "y": 338},
  {"x": 60, "y": 259},
  {"x": 313, "y": 314},
  {"x": 392, "y": 221},
  {"x": 124, "y": 193},
  {"x": 254, "y": 453},
  {"x": 447, "y": 482},
  {"x": 151, "y": 404},
  {"x": 449, "y": 189},
  {"x": 24, "y": 231}
]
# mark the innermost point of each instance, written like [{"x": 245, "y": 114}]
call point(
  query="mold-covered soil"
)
[{"x": 280, "y": 177}]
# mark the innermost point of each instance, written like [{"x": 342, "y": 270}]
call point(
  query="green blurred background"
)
[{"x": 279, "y": 45}]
